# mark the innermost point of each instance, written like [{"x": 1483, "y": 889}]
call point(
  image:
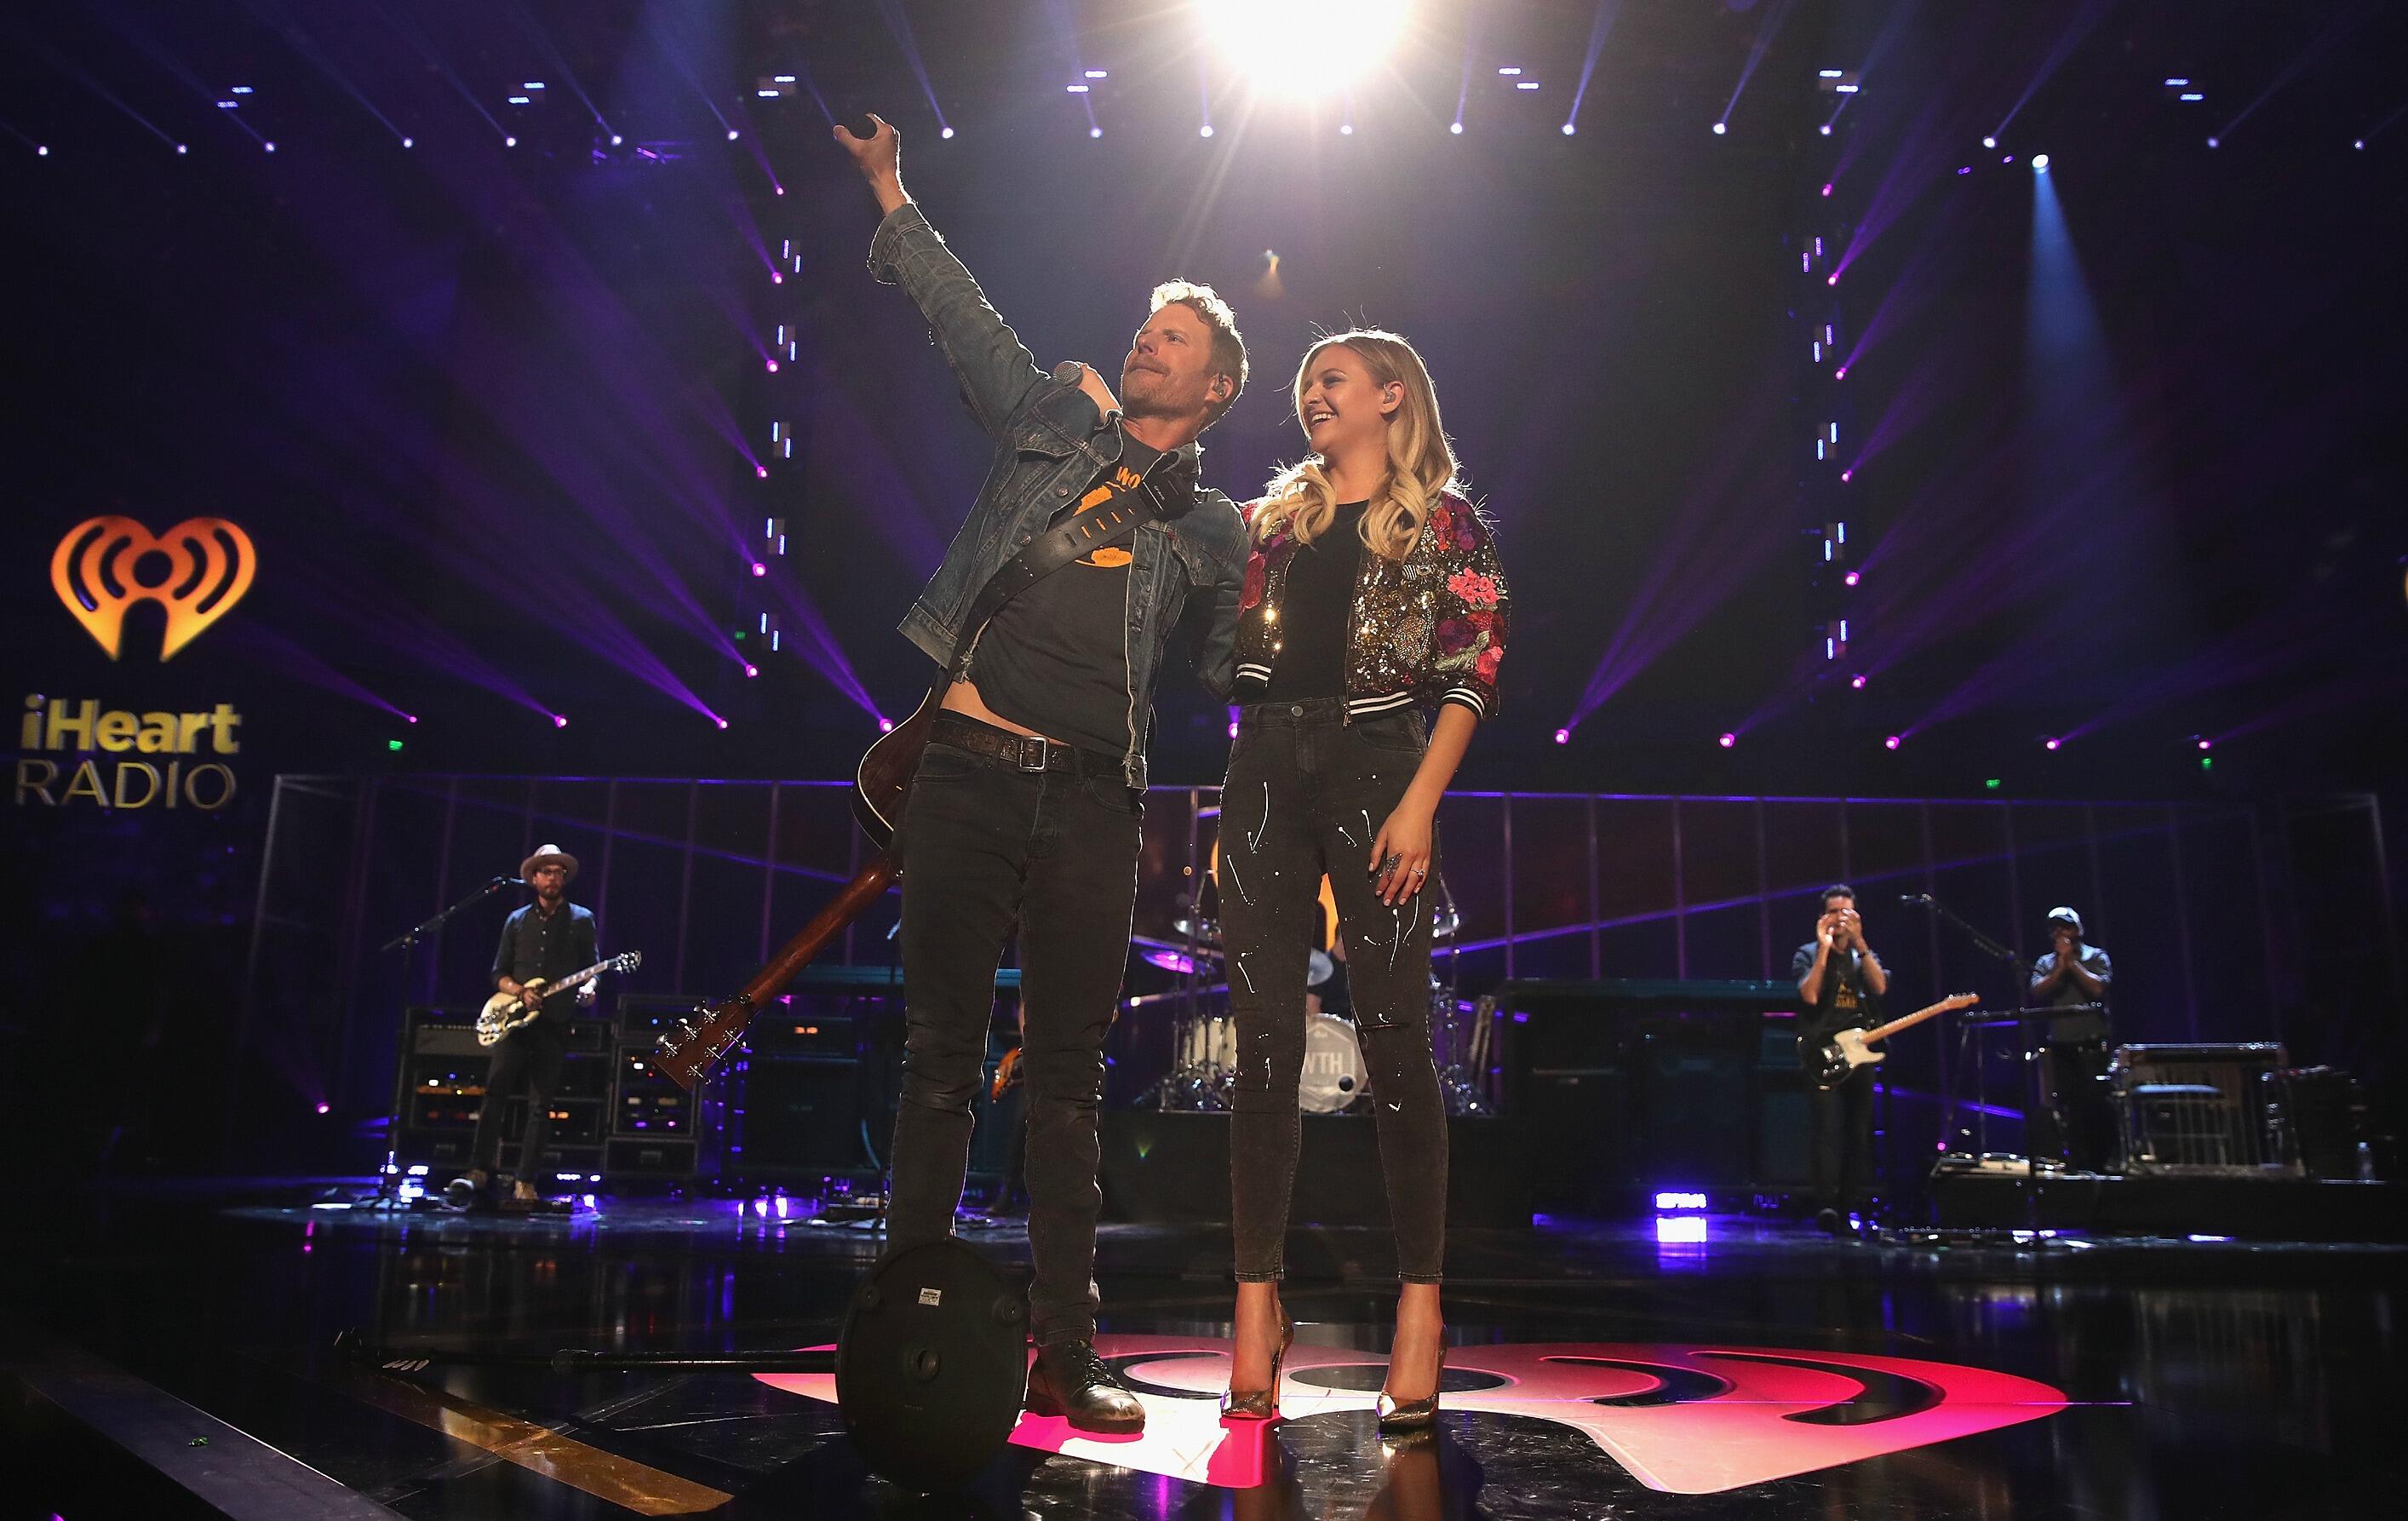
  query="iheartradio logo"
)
[{"x": 97, "y": 572}]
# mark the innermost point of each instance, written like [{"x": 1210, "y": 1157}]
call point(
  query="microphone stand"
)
[{"x": 389, "y": 1176}]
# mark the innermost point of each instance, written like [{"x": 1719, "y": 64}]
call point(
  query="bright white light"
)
[
  {"x": 270, "y": 147},
  {"x": 1681, "y": 1229},
  {"x": 409, "y": 142},
  {"x": 1989, "y": 142},
  {"x": 1309, "y": 49},
  {"x": 1569, "y": 129},
  {"x": 1526, "y": 84},
  {"x": 181, "y": 149},
  {"x": 532, "y": 84},
  {"x": 242, "y": 90},
  {"x": 1720, "y": 128},
  {"x": 2039, "y": 164},
  {"x": 1509, "y": 73},
  {"x": 43, "y": 149},
  {"x": 947, "y": 133},
  {"x": 1830, "y": 74},
  {"x": 510, "y": 142},
  {"x": 2192, "y": 94},
  {"x": 1346, "y": 129},
  {"x": 1825, "y": 129},
  {"x": 765, "y": 94},
  {"x": 1096, "y": 74},
  {"x": 2176, "y": 84},
  {"x": 1076, "y": 89},
  {"x": 1847, "y": 88},
  {"x": 1456, "y": 127},
  {"x": 1679, "y": 1202},
  {"x": 1095, "y": 132},
  {"x": 781, "y": 79},
  {"x": 616, "y": 140},
  {"x": 1204, "y": 131},
  {"x": 731, "y": 134}
]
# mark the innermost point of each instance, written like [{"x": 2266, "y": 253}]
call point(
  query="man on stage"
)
[
  {"x": 1842, "y": 981},
  {"x": 549, "y": 938},
  {"x": 2079, "y": 1122},
  {"x": 1024, "y": 810}
]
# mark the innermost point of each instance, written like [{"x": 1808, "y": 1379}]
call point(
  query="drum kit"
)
[{"x": 1204, "y": 1031}]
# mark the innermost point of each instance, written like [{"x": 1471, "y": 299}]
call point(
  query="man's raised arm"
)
[{"x": 996, "y": 370}]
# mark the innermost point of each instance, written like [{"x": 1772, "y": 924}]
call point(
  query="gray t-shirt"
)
[{"x": 2090, "y": 1024}]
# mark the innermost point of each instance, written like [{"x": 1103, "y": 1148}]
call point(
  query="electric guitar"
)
[
  {"x": 1830, "y": 1064},
  {"x": 506, "y": 1012}
]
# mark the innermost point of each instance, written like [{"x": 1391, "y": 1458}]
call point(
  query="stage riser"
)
[
  {"x": 2246, "y": 1209},
  {"x": 1167, "y": 1168}
]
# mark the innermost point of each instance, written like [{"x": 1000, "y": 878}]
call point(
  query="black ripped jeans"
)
[
  {"x": 987, "y": 845},
  {"x": 1306, "y": 794}
]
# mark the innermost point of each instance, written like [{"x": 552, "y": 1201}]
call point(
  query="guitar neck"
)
[
  {"x": 577, "y": 979},
  {"x": 1910, "y": 1021}
]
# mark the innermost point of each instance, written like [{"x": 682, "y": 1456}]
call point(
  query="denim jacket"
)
[{"x": 1051, "y": 442}]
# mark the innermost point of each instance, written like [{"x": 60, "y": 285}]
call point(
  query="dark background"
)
[{"x": 490, "y": 413}]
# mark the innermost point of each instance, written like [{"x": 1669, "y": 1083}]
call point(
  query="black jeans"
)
[
  {"x": 2076, "y": 1121},
  {"x": 1306, "y": 794},
  {"x": 1840, "y": 1142},
  {"x": 987, "y": 845},
  {"x": 530, "y": 1055}
]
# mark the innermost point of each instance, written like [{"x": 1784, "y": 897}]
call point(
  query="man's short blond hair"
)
[{"x": 1228, "y": 349}]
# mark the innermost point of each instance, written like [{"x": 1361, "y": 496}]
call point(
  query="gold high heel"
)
[
  {"x": 1262, "y": 1404},
  {"x": 1412, "y": 1415}
]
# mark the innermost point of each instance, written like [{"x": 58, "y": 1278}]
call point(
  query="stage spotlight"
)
[
  {"x": 268, "y": 146},
  {"x": 1834, "y": 279},
  {"x": 1569, "y": 129},
  {"x": 2039, "y": 164},
  {"x": 752, "y": 670},
  {"x": 560, "y": 721},
  {"x": 1455, "y": 128},
  {"x": 2051, "y": 743},
  {"x": 2205, "y": 744},
  {"x": 731, "y": 134},
  {"x": 721, "y": 721},
  {"x": 1827, "y": 190},
  {"x": 760, "y": 569},
  {"x": 1890, "y": 743},
  {"x": 1989, "y": 142},
  {"x": 885, "y": 726},
  {"x": 616, "y": 140},
  {"x": 510, "y": 142},
  {"x": 409, "y": 718},
  {"x": 324, "y": 1108},
  {"x": 1991, "y": 782},
  {"x": 1204, "y": 131},
  {"x": 1728, "y": 740},
  {"x": 761, "y": 470},
  {"x": 2359, "y": 145},
  {"x": 1720, "y": 128},
  {"x": 393, "y": 744},
  {"x": 1290, "y": 49},
  {"x": 1853, "y": 577},
  {"x": 772, "y": 365},
  {"x": 181, "y": 149},
  {"x": 1095, "y": 132},
  {"x": 1856, "y": 684},
  {"x": 2212, "y": 142},
  {"x": 43, "y": 149},
  {"x": 1563, "y": 736},
  {"x": 1346, "y": 129},
  {"x": 1841, "y": 374},
  {"x": 409, "y": 142},
  {"x": 1825, "y": 129},
  {"x": 946, "y": 133},
  {"x": 777, "y": 279}
]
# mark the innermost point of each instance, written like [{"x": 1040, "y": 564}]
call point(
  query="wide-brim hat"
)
[{"x": 548, "y": 855}]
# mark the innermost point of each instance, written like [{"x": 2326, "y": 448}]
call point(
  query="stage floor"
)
[{"x": 166, "y": 1343}]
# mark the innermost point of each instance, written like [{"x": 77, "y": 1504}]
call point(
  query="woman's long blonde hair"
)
[{"x": 1421, "y": 464}]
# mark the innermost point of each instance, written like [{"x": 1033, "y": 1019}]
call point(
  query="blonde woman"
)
[{"x": 1373, "y": 597}]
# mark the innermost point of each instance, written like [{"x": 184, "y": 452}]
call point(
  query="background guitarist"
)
[
  {"x": 1025, "y": 808},
  {"x": 1842, "y": 981},
  {"x": 549, "y": 938}
]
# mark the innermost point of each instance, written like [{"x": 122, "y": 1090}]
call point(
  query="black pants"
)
[
  {"x": 2077, "y": 1117},
  {"x": 1840, "y": 1142},
  {"x": 987, "y": 845},
  {"x": 1306, "y": 794},
  {"x": 530, "y": 1055}
]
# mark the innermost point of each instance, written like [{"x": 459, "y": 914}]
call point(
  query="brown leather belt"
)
[{"x": 1022, "y": 752}]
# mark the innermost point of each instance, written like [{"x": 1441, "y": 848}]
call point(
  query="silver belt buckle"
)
[{"x": 1032, "y": 744}]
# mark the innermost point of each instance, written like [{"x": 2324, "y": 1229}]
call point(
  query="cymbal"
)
[{"x": 1202, "y": 928}]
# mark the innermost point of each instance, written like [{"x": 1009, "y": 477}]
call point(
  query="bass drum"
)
[{"x": 1333, "y": 1076}]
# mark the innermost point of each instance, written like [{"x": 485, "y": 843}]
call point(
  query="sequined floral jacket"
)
[{"x": 1426, "y": 630}]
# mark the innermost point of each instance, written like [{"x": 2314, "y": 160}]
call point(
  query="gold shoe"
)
[
  {"x": 1262, "y": 1404},
  {"x": 1412, "y": 1415}
]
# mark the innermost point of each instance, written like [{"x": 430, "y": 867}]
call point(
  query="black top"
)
[
  {"x": 1054, "y": 659},
  {"x": 2087, "y": 1026},
  {"x": 1314, "y": 614},
  {"x": 550, "y": 946},
  {"x": 1846, "y": 1003}
]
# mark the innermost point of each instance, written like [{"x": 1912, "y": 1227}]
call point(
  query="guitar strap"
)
[{"x": 1106, "y": 526}]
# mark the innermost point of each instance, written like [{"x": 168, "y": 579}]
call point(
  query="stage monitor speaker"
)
[{"x": 931, "y": 1365}]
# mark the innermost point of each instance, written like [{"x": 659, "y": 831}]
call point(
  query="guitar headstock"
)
[
  {"x": 626, "y": 961},
  {"x": 690, "y": 1050},
  {"x": 1958, "y": 1000}
]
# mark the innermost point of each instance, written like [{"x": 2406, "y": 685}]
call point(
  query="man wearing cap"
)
[
  {"x": 548, "y": 939},
  {"x": 2074, "y": 1060}
]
